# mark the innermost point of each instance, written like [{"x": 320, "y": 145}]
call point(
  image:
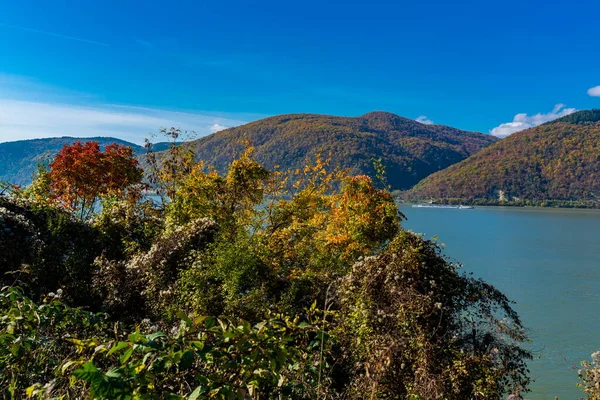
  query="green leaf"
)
[
  {"x": 197, "y": 344},
  {"x": 156, "y": 335},
  {"x": 113, "y": 373},
  {"x": 126, "y": 355},
  {"x": 200, "y": 319},
  {"x": 135, "y": 337},
  {"x": 69, "y": 364},
  {"x": 183, "y": 317},
  {"x": 118, "y": 347},
  {"x": 88, "y": 372},
  {"x": 196, "y": 393},
  {"x": 210, "y": 322}
]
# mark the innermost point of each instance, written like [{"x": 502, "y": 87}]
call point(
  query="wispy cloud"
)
[
  {"x": 58, "y": 35},
  {"x": 424, "y": 120},
  {"x": 27, "y": 120},
  {"x": 594, "y": 92},
  {"x": 27, "y": 112},
  {"x": 523, "y": 121}
]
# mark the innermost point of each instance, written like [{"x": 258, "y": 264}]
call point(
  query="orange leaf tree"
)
[{"x": 81, "y": 174}]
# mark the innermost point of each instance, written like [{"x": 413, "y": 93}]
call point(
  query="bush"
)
[
  {"x": 412, "y": 327},
  {"x": 51, "y": 350},
  {"x": 50, "y": 248},
  {"x": 145, "y": 285},
  {"x": 36, "y": 339}
]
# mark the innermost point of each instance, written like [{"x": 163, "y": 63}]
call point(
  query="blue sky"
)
[{"x": 126, "y": 68}]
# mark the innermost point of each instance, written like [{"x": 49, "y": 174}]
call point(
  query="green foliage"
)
[
  {"x": 39, "y": 190},
  {"x": 50, "y": 249},
  {"x": 208, "y": 358},
  {"x": 552, "y": 164},
  {"x": 233, "y": 279},
  {"x": 36, "y": 339},
  {"x": 52, "y": 350}
]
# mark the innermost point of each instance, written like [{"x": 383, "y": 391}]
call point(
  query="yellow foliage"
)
[{"x": 306, "y": 220}]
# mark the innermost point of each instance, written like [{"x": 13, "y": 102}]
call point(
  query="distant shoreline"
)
[{"x": 564, "y": 204}]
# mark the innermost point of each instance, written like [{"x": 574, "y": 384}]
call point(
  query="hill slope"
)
[
  {"x": 19, "y": 159},
  {"x": 557, "y": 161},
  {"x": 409, "y": 150}
]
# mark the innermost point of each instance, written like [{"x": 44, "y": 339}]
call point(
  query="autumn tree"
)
[
  {"x": 283, "y": 235},
  {"x": 82, "y": 174},
  {"x": 230, "y": 200},
  {"x": 324, "y": 219}
]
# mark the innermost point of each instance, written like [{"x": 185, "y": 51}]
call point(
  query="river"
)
[{"x": 548, "y": 262}]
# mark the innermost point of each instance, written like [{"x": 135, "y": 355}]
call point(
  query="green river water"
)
[{"x": 548, "y": 262}]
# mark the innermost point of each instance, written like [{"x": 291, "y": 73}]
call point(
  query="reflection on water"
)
[{"x": 546, "y": 260}]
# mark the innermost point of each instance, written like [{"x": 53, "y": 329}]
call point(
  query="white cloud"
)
[
  {"x": 594, "y": 92},
  {"x": 216, "y": 128},
  {"x": 523, "y": 121},
  {"x": 56, "y": 112},
  {"x": 28, "y": 120},
  {"x": 424, "y": 120}
]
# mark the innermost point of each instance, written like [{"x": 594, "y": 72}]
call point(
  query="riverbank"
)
[{"x": 586, "y": 204}]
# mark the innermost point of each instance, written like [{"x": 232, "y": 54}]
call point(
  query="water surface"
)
[{"x": 548, "y": 261}]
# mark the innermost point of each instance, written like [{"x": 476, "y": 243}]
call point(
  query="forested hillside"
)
[
  {"x": 408, "y": 149},
  {"x": 555, "y": 163},
  {"x": 19, "y": 159}
]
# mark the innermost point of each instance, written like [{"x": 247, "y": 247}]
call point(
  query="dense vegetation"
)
[
  {"x": 19, "y": 159},
  {"x": 253, "y": 284},
  {"x": 408, "y": 149},
  {"x": 553, "y": 164}
]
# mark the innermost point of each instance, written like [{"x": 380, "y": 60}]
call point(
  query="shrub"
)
[
  {"x": 36, "y": 339},
  {"x": 412, "y": 327},
  {"x": 51, "y": 350},
  {"x": 145, "y": 285},
  {"x": 50, "y": 248}
]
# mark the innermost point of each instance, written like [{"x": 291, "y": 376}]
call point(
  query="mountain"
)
[
  {"x": 557, "y": 163},
  {"x": 19, "y": 159},
  {"x": 408, "y": 149}
]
